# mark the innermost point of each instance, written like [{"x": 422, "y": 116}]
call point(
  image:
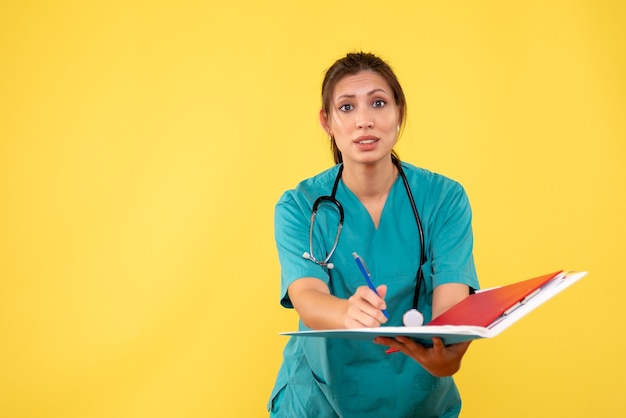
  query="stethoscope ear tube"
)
[{"x": 307, "y": 256}]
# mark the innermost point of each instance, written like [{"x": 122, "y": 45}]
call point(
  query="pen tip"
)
[{"x": 354, "y": 254}]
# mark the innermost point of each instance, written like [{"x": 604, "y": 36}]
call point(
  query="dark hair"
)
[{"x": 351, "y": 64}]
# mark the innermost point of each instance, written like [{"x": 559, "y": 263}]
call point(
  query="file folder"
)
[{"x": 485, "y": 314}]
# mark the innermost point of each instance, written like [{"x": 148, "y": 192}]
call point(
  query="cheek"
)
[
  {"x": 392, "y": 124},
  {"x": 341, "y": 130},
  {"x": 339, "y": 120}
]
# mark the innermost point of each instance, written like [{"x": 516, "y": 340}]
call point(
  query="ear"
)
[{"x": 324, "y": 121}]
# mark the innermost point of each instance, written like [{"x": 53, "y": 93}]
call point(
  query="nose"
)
[{"x": 364, "y": 119}]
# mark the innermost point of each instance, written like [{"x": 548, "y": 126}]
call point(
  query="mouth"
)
[{"x": 366, "y": 140}]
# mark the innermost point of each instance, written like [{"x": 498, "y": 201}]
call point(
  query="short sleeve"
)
[
  {"x": 291, "y": 232},
  {"x": 452, "y": 240}
]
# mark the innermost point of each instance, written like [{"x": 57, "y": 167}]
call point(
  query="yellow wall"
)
[{"x": 143, "y": 145}]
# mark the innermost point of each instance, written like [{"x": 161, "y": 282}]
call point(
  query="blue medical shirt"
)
[{"x": 346, "y": 378}]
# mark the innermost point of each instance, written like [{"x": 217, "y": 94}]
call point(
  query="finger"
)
[
  {"x": 438, "y": 347},
  {"x": 362, "y": 314},
  {"x": 394, "y": 346},
  {"x": 412, "y": 345},
  {"x": 389, "y": 342},
  {"x": 460, "y": 348},
  {"x": 382, "y": 291},
  {"x": 358, "y": 319},
  {"x": 370, "y": 296},
  {"x": 372, "y": 302}
]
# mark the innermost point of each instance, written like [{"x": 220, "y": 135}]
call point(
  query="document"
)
[{"x": 485, "y": 314}]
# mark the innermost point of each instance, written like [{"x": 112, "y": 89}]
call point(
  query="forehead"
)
[{"x": 362, "y": 83}]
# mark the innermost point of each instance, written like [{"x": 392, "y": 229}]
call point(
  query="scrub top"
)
[{"x": 331, "y": 377}]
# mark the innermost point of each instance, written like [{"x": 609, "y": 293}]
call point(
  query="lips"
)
[{"x": 366, "y": 140}]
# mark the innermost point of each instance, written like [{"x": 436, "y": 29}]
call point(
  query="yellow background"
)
[{"x": 143, "y": 145}]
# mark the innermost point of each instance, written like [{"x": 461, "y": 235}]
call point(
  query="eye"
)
[
  {"x": 346, "y": 107},
  {"x": 379, "y": 103}
]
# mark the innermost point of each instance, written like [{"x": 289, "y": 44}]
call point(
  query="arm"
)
[
  {"x": 447, "y": 295},
  {"x": 318, "y": 309}
]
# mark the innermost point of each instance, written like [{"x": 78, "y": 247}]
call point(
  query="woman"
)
[{"x": 363, "y": 110}]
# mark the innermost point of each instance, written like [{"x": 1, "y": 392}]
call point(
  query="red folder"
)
[{"x": 483, "y": 308}]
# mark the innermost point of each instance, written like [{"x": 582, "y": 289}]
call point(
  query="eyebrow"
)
[{"x": 352, "y": 96}]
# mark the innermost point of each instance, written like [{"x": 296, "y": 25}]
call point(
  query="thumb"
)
[{"x": 382, "y": 290}]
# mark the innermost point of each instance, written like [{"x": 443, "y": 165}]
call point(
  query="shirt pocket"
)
[
  {"x": 274, "y": 402},
  {"x": 435, "y": 396},
  {"x": 340, "y": 396}
]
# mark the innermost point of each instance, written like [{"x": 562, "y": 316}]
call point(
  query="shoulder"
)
[
  {"x": 430, "y": 181},
  {"x": 305, "y": 192}
]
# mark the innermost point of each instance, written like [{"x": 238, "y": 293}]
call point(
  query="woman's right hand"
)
[{"x": 365, "y": 308}]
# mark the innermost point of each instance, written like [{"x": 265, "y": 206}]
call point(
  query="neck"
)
[{"x": 370, "y": 181}]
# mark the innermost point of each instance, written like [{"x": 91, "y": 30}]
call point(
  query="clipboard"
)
[{"x": 485, "y": 314}]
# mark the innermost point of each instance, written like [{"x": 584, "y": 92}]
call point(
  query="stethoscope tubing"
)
[{"x": 419, "y": 277}]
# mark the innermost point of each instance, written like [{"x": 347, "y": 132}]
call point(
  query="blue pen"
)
[{"x": 367, "y": 276}]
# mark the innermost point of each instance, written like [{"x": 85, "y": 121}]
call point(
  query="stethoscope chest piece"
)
[{"x": 413, "y": 318}]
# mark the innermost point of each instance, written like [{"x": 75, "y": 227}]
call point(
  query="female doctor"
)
[{"x": 383, "y": 206}]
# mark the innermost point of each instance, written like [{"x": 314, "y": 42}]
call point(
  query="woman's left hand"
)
[{"x": 439, "y": 360}]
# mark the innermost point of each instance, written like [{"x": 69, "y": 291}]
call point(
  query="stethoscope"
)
[{"x": 411, "y": 318}]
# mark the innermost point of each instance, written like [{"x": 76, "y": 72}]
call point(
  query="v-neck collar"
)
[{"x": 362, "y": 212}]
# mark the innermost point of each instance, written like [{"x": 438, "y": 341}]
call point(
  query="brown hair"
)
[{"x": 351, "y": 64}]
